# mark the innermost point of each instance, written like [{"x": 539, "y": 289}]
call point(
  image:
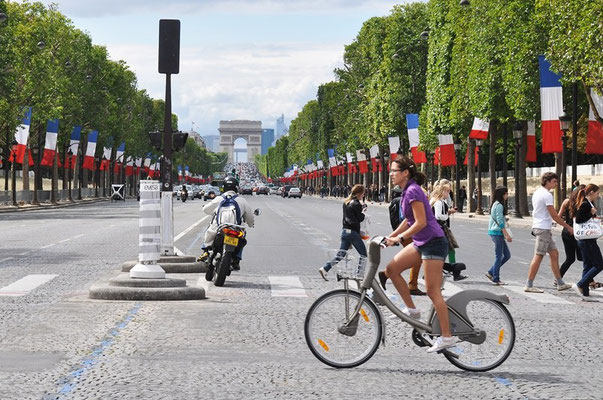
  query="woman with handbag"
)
[
  {"x": 569, "y": 241},
  {"x": 441, "y": 207},
  {"x": 582, "y": 213},
  {"x": 497, "y": 229}
]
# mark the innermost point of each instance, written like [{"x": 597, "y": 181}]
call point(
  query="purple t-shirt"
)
[{"x": 413, "y": 192}]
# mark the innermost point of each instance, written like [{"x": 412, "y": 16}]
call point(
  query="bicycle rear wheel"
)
[
  {"x": 322, "y": 329},
  {"x": 497, "y": 324}
]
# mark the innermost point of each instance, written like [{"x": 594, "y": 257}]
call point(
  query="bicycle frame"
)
[{"x": 460, "y": 324}]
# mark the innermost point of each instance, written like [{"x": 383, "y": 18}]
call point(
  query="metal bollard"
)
[{"x": 149, "y": 238}]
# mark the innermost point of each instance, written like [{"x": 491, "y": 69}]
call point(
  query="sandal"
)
[{"x": 595, "y": 285}]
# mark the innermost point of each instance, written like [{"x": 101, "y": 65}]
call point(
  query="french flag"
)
[
  {"x": 74, "y": 144},
  {"x": 551, "y": 107},
  {"x": 374, "y": 151},
  {"x": 394, "y": 146},
  {"x": 333, "y": 162},
  {"x": 350, "y": 160},
  {"x": 90, "y": 150},
  {"x": 21, "y": 135},
  {"x": 187, "y": 174},
  {"x": 50, "y": 145},
  {"x": 362, "y": 163},
  {"x": 138, "y": 164},
  {"x": 531, "y": 152},
  {"x": 412, "y": 124},
  {"x": 446, "y": 154},
  {"x": 130, "y": 167},
  {"x": 180, "y": 173},
  {"x": 106, "y": 162},
  {"x": 594, "y": 137},
  {"x": 480, "y": 129},
  {"x": 119, "y": 155},
  {"x": 147, "y": 163}
]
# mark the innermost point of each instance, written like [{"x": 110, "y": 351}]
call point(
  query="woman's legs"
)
[
  {"x": 343, "y": 247},
  {"x": 569, "y": 244},
  {"x": 593, "y": 262},
  {"x": 433, "y": 282},
  {"x": 498, "y": 256},
  {"x": 506, "y": 253},
  {"x": 405, "y": 259}
]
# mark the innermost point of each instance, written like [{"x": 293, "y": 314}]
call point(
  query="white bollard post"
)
[
  {"x": 149, "y": 238},
  {"x": 167, "y": 224}
]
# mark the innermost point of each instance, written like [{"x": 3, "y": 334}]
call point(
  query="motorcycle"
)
[
  {"x": 229, "y": 241},
  {"x": 184, "y": 196}
]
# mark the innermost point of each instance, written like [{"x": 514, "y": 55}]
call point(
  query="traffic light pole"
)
[{"x": 167, "y": 187}]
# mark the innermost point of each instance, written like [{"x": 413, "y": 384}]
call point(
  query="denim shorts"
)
[{"x": 435, "y": 249}]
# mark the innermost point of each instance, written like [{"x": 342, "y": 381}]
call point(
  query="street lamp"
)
[
  {"x": 68, "y": 165},
  {"x": 479, "y": 211},
  {"x": 457, "y": 149},
  {"x": 97, "y": 161},
  {"x": 424, "y": 35},
  {"x": 14, "y": 171},
  {"x": 565, "y": 122},
  {"x": 517, "y": 135},
  {"x": 464, "y": 3}
]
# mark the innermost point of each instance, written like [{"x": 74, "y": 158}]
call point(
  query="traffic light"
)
[{"x": 179, "y": 140}]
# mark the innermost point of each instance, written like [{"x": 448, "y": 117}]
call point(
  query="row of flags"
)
[{"x": 186, "y": 176}]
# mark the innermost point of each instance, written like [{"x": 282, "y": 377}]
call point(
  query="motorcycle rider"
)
[
  {"x": 184, "y": 193},
  {"x": 231, "y": 187}
]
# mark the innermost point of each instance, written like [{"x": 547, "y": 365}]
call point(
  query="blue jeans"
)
[
  {"x": 349, "y": 238},
  {"x": 593, "y": 263},
  {"x": 502, "y": 255}
]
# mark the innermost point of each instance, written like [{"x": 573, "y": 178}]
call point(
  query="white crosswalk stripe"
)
[
  {"x": 286, "y": 286},
  {"x": 545, "y": 297},
  {"x": 25, "y": 285}
]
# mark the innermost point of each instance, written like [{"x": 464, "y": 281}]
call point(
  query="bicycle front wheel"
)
[
  {"x": 496, "y": 323},
  {"x": 336, "y": 344}
]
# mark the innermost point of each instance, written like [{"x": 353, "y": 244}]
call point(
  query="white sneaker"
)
[
  {"x": 442, "y": 343},
  {"x": 532, "y": 289},
  {"x": 323, "y": 272},
  {"x": 565, "y": 286},
  {"x": 412, "y": 312}
]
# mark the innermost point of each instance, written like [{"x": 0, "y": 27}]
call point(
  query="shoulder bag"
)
[{"x": 590, "y": 229}]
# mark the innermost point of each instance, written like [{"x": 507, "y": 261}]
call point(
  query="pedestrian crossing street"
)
[{"x": 293, "y": 286}]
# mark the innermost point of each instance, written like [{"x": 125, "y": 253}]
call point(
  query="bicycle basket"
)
[{"x": 348, "y": 266}]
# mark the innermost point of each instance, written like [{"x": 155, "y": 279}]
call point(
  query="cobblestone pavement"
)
[{"x": 243, "y": 342}]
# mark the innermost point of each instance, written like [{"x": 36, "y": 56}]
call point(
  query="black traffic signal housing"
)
[{"x": 179, "y": 140}]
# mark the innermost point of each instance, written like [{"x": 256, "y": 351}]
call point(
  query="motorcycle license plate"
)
[{"x": 231, "y": 241}]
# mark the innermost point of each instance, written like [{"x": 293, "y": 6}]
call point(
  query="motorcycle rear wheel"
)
[{"x": 223, "y": 269}]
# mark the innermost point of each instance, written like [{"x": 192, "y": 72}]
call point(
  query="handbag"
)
[
  {"x": 590, "y": 229},
  {"x": 508, "y": 229},
  {"x": 452, "y": 243}
]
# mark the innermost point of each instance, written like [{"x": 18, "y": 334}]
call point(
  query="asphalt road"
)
[{"x": 246, "y": 340}]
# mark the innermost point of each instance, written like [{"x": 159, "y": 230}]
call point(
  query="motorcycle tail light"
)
[{"x": 232, "y": 232}]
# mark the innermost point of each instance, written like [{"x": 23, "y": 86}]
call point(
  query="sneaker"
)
[
  {"x": 565, "y": 286},
  {"x": 578, "y": 290},
  {"x": 532, "y": 289},
  {"x": 203, "y": 257},
  {"x": 555, "y": 283},
  {"x": 459, "y": 277},
  {"x": 412, "y": 312},
  {"x": 499, "y": 283},
  {"x": 442, "y": 343},
  {"x": 417, "y": 292},
  {"x": 323, "y": 272},
  {"x": 490, "y": 277},
  {"x": 589, "y": 299}
]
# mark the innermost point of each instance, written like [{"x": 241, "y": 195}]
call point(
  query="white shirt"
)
[
  {"x": 246, "y": 211},
  {"x": 541, "y": 199}
]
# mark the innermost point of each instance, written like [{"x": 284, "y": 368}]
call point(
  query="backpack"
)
[
  {"x": 228, "y": 211},
  {"x": 395, "y": 214}
]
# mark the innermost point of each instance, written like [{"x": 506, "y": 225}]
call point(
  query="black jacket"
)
[
  {"x": 584, "y": 214},
  {"x": 352, "y": 215}
]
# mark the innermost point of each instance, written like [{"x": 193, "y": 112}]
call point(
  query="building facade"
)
[
  {"x": 267, "y": 139},
  {"x": 251, "y": 131}
]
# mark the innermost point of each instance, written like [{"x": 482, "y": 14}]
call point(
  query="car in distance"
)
[
  {"x": 294, "y": 192},
  {"x": 274, "y": 190},
  {"x": 246, "y": 190},
  {"x": 263, "y": 190},
  {"x": 211, "y": 192},
  {"x": 285, "y": 191}
]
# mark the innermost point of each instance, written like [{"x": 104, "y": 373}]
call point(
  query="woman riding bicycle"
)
[{"x": 429, "y": 249}]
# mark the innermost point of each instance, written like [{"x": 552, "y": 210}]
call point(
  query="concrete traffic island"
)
[
  {"x": 174, "y": 265},
  {"x": 123, "y": 287},
  {"x": 145, "y": 279}
]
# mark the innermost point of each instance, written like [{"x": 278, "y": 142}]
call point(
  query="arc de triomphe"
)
[{"x": 251, "y": 131}]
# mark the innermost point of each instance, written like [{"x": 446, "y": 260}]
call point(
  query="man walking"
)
[
  {"x": 543, "y": 215},
  {"x": 462, "y": 198}
]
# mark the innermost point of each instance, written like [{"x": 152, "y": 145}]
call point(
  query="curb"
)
[{"x": 50, "y": 206}]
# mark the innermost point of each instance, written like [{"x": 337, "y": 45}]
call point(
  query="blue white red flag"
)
[
  {"x": 594, "y": 137},
  {"x": 412, "y": 124},
  {"x": 90, "y": 150},
  {"x": 551, "y": 107},
  {"x": 50, "y": 145}
]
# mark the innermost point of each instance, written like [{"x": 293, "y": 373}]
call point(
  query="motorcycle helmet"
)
[{"x": 231, "y": 183}]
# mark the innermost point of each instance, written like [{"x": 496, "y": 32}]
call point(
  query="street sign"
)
[{"x": 150, "y": 186}]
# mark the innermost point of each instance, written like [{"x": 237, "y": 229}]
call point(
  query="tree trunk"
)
[
  {"x": 55, "y": 178},
  {"x": 523, "y": 182},
  {"x": 25, "y": 170},
  {"x": 557, "y": 192},
  {"x": 471, "y": 175},
  {"x": 492, "y": 156}
]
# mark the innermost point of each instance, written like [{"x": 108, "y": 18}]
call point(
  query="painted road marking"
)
[
  {"x": 64, "y": 240},
  {"x": 25, "y": 285},
  {"x": 450, "y": 289},
  {"x": 545, "y": 297},
  {"x": 24, "y": 254},
  {"x": 47, "y": 246},
  {"x": 190, "y": 228},
  {"x": 6, "y": 259},
  {"x": 75, "y": 237},
  {"x": 286, "y": 286}
]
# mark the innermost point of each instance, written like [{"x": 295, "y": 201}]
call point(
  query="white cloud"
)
[{"x": 236, "y": 82}]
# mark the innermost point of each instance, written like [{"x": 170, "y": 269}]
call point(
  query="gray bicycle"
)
[{"x": 344, "y": 327}]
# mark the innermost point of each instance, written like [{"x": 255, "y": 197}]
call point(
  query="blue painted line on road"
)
[
  {"x": 69, "y": 383},
  {"x": 503, "y": 381}
]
